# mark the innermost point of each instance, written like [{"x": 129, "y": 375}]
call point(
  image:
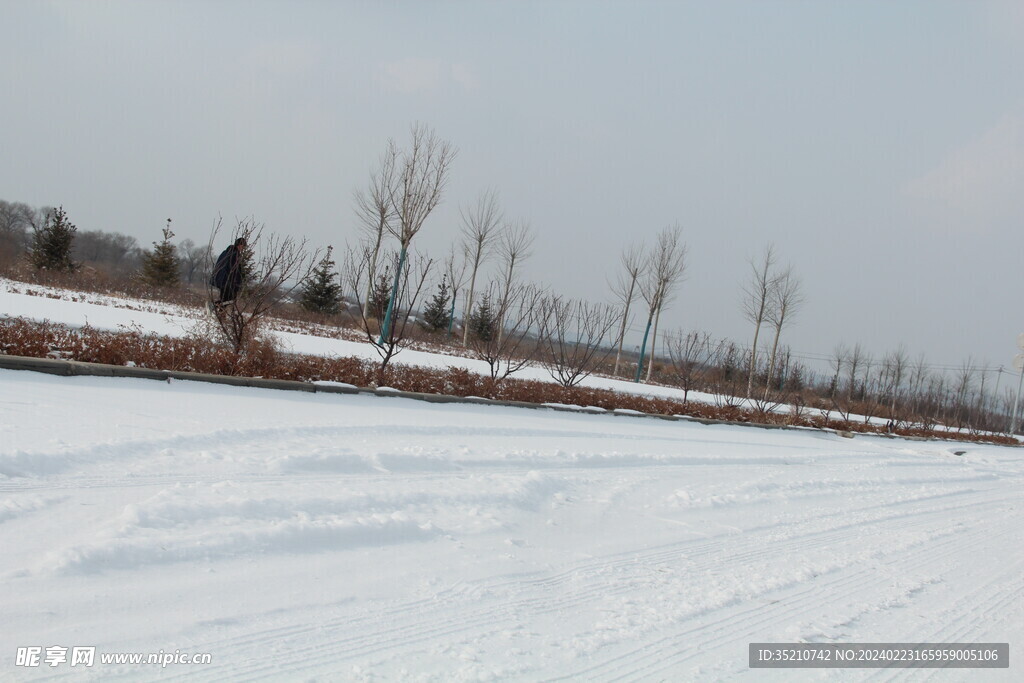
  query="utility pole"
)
[{"x": 1018, "y": 363}]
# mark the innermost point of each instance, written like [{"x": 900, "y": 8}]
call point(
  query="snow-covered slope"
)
[
  {"x": 108, "y": 313},
  {"x": 325, "y": 537}
]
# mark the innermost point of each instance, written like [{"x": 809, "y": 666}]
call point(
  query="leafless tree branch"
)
[
  {"x": 572, "y": 336},
  {"x": 479, "y": 228}
]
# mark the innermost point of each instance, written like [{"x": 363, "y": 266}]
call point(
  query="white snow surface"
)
[
  {"x": 35, "y": 302},
  {"x": 298, "y": 536}
]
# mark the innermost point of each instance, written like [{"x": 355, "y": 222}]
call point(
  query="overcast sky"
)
[{"x": 878, "y": 145}]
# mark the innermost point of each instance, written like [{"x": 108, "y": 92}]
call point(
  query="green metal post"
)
[
  {"x": 643, "y": 350},
  {"x": 385, "y": 330}
]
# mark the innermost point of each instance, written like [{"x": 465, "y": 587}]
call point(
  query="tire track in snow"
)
[
  {"x": 487, "y": 615},
  {"x": 741, "y": 629},
  {"x": 951, "y": 542},
  {"x": 418, "y": 623},
  {"x": 974, "y": 615},
  {"x": 18, "y": 464}
]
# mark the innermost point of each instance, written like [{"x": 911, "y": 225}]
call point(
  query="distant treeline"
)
[
  {"x": 112, "y": 254},
  {"x": 516, "y": 324}
]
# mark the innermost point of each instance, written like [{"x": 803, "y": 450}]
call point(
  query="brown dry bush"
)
[
  {"x": 262, "y": 359},
  {"x": 98, "y": 280}
]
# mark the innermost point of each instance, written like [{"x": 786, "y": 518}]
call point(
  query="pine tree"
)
[
  {"x": 51, "y": 243},
  {"x": 321, "y": 292},
  {"x": 161, "y": 267},
  {"x": 380, "y": 296},
  {"x": 729, "y": 363},
  {"x": 483, "y": 323},
  {"x": 436, "y": 315},
  {"x": 795, "y": 380}
]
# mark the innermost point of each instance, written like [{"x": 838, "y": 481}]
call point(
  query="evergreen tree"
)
[
  {"x": 51, "y": 243},
  {"x": 161, "y": 267},
  {"x": 795, "y": 381},
  {"x": 436, "y": 315},
  {"x": 729, "y": 362},
  {"x": 321, "y": 292},
  {"x": 380, "y": 296},
  {"x": 483, "y": 323}
]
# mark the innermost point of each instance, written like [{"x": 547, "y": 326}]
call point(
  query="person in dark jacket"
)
[{"x": 227, "y": 272}]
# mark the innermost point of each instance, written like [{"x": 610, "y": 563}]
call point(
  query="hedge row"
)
[{"x": 194, "y": 354}]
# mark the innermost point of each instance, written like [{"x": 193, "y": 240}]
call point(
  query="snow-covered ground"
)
[
  {"x": 326, "y": 537},
  {"x": 75, "y": 309}
]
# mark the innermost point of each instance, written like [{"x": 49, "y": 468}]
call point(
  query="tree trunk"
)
[
  {"x": 654, "y": 344},
  {"x": 753, "y": 360},
  {"x": 771, "y": 362},
  {"x": 469, "y": 304},
  {"x": 622, "y": 331},
  {"x": 643, "y": 348},
  {"x": 502, "y": 309},
  {"x": 372, "y": 274},
  {"x": 386, "y": 327},
  {"x": 451, "y": 314}
]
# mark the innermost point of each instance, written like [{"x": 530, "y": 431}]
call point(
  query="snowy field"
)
[
  {"x": 324, "y": 537},
  {"x": 76, "y": 309}
]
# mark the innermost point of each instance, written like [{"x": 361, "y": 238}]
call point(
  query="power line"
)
[{"x": 814, "y": 356}]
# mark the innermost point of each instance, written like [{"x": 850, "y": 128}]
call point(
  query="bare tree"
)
[
  {"x": 90, "y": 246},
  {"x": 14, "y": 229},
  {"x": 506, "y": 354},
  {"x": 895, "y": 366},
  {"x": 479, "y": 228},
  {"x": 513, "y": 248},
  {"x": 797, "y": 379},
  {"x": 1008, "y": 409},
  {"x": 412, "y": 276},
  {"x": 277, "y": 266},
  {"x": 786, "y": 301},
  {"x": 865, "y": 391},
  {"x": 572, "y": 334},
  {"x": 691, "y": 354},
  {"x": 978, "y": 418},
  {"x": 375, "y": 212},
  {"x": 856, "y": 361},
  {"x": 186, "y": 259},
  {"x": 455, "y": 267},
  {"x": 665, "y": 270},
  {"x": 625, "y": 290},
  {"x": 774, "y": 394},
  {"x": 919, "y": 376},
  {"x": 119, "y": 253},
  {"x": 38, "y": 217},
  {"x": 836, "y": 363},
  {"x": 15, "y": 219},
  {"x": 193, "y": 257},
  {"x": 963, "y": 383},
  {"x": 421, "y": 174},
  {"x": 995, "y": 405},
  {"x": 124, "y": 253},
  {"x": 933, "y": 402},
  {"x": 756, "y": 300},
  {"x": 728, "y": 357}
]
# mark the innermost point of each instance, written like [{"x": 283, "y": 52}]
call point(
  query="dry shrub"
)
[
  {"x": 99, "y": 280},
  {"x": 264, "y": 359}
]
